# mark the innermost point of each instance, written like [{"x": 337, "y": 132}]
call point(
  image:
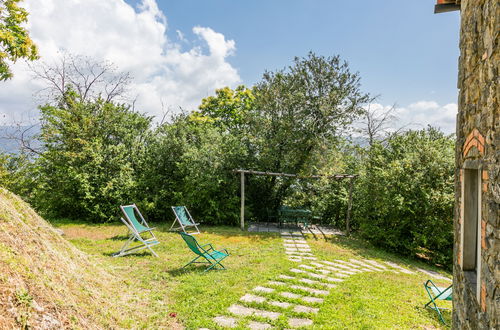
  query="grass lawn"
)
[{"x": 159, "y": 293}]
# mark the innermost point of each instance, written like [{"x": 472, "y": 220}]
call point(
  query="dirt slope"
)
[{"x": 45, "y": 282}]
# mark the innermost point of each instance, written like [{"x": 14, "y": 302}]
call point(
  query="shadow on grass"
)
[
  {"x": 119, "y": 238},
  {"x": 132, "y": 255},
  {"x": 366, "y": 249},
  {"x": 191, "y": 269}
]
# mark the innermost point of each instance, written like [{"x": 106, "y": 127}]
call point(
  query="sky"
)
[{"x": 180, "y": 51}]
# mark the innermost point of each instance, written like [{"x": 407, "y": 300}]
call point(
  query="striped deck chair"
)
[
  {"x": 185, "y": 220},
  {"x": 137, "y": 229},
  {"x": 212, "y": 257}
]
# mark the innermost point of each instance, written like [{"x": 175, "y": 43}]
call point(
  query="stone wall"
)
[{"x": 478, "y": 145}]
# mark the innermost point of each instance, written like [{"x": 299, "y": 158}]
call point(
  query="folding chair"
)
[
  {"x": 136, "y": 229},
  {"x": 185, "y": 220},
  {"x": 207, "y": 252},
  {"x": 437, "y": 293}
]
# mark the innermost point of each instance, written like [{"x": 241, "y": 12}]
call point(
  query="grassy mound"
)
[{"x": 45, "y": 282}]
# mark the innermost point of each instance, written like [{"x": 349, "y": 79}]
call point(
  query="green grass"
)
[{"x": 165, "y": 294}]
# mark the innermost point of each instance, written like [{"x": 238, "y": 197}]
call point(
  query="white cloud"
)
[
  {"x": 416, "y": 115},
  {"x": 135, "y": 40},
  {"x": 423, "y": 113}
]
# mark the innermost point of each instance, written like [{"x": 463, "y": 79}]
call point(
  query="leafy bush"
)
[{"x": 405, "y": 197}]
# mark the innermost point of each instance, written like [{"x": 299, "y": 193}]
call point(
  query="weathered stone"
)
[
  {"x": 296, "y": 323},
  {"x": 365, "y": 265},
  {"x": 310, "y": 258},
  {"x": 290, "y": 295},
  {"x": 401, "y": 269},
  {"x": 286, "y": 277},
  {"x": 477, "y": 150},
  {"x": 258, "y": 325},
  {"x": 276, "y": 283},
  {"x": 251, "y": 298},
  {"x": 281, "y": 304},
  {"x": 226, "y": 321},
  {"x": 434, "y": 274},
  {"x": 310, "y": 290},
  {"x": 347, "y": 263},
  {"x": 375, "y": 264},
  {"x": 305, "y": 309},
  {"x": 247, "y": 311},
  {"x": 263, "y": 289},
  {"x": 306, "y": 267},
  {"x": 313, "y": 282},
  {"x": 312, "y": 300}
]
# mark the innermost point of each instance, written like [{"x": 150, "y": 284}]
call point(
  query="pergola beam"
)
[{"x": 335, "y": 176}]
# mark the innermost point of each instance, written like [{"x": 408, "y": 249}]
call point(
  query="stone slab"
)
[
  {"x": 276, "y": 283},
  {"x": 247, "y": 311},
  {"x": 401, "y": 269},
  {"x": 226, "y": 321},
  {"x": 258, "y": 325},
  {"x": 297, "y": 323},
  {"x": 313, "y": 282},
  {"x": 376, "y": 264},
  {"x": 281, "y": 304},
  {"x": 310, "y": 290},
  {"x": 305, "y": 309},
  {"x": 307, "y": 267},
  {"x": 286, "y": 277},
  {"x": 263, "y": 289},
  {"x": 312, "y": 300},
  {"x": 251, "y": 298},
  {"x": 290, "y": 295}
]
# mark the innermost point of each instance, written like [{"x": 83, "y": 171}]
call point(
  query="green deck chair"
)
[
  {"x": 213, "y": 257},
  {"x": 185, "y": 220},
  {"x": 437, "y": 293},
  {"x": 137, "y": 230}
]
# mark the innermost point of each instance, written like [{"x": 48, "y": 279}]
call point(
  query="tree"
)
[
  {"x": 228, "y": 107},
  {"x": 92, "y": 153},
  {"x": 15, "y": 42},
  {"x": 404, "y": 202},
  {"x": 298, "y": 110},
  {"x": 90, "y": 79}
]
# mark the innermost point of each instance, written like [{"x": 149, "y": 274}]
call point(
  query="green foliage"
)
[
  {"x": 190, "y": 163},
  {"x": 98, "y": 155},
  {"x": 90, "y": 160},
  {"x": 15, "y": 42},
  {"x": 228, "y": 107},
  {"x": 405, "y": 198},
  {"x": 299, "y": 111}
]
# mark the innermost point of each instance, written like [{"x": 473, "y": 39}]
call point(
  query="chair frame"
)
[
  {"x": 203, "y": 252},
  {"x": 135, "y": 235},
  {"x": 443, "y": 294},
  {"x": 182, "y": 226}
]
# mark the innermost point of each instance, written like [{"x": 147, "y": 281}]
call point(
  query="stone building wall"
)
[{"x": 478, "y": 147}]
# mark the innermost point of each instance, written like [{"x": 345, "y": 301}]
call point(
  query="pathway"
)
[{"x": 293, "y": 298}]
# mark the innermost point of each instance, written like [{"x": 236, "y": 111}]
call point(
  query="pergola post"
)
[
  {"x": 242, "y": 211},
  {"x": 349, "y": 207}
]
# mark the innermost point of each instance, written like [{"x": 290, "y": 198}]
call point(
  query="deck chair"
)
[
  {"x": 437, "y": 293},
  {"x": 212, "y": 257},
  {"x": 185, "y": 220},
  {"x": 137, "y": 229}
]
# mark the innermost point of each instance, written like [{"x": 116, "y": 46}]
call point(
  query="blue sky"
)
[
  {"x": 402, "y": 50},
  {"x": 179, "y": 52}
]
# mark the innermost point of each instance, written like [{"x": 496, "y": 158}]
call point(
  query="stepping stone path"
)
[{"x": 313, "y": 280}]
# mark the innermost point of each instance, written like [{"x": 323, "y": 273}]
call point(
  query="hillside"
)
[{"x": 45, "y": 282}]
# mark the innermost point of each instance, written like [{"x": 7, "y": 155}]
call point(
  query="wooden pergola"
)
[{"x": 242, "y": 172}]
